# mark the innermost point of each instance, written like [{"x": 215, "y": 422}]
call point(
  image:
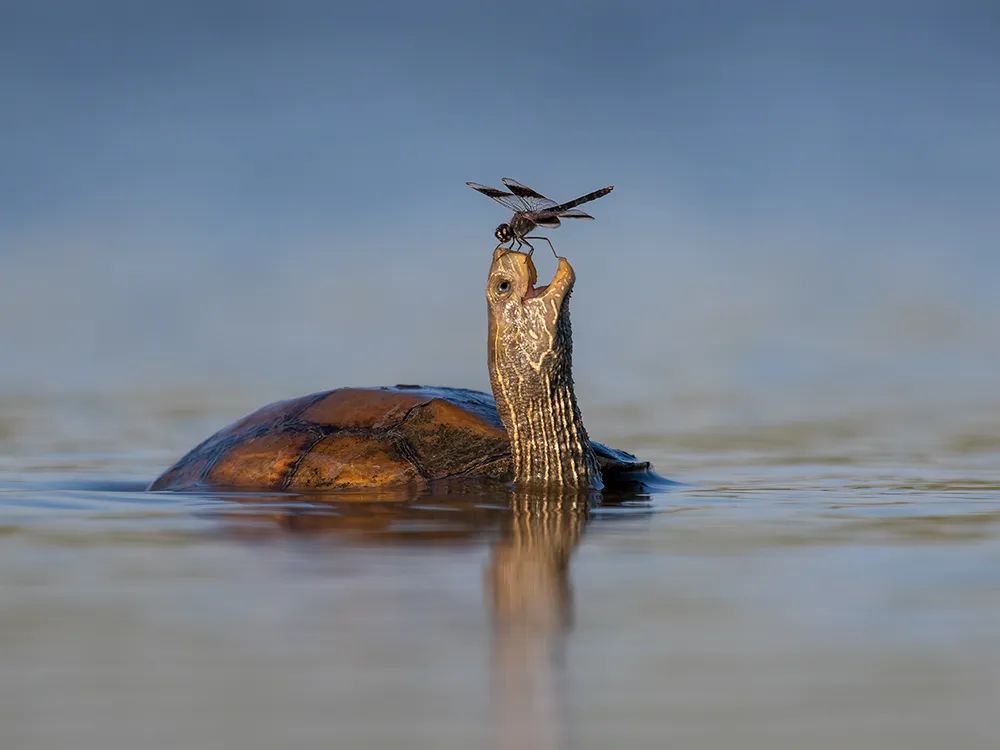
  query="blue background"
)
[{"x": 270, "y": 195}]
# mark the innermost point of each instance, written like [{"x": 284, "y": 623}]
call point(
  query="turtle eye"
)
[{"x": 503, "y": 287}]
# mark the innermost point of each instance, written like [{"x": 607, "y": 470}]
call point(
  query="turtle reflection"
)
[
  {"x": 527, "y": 578},
  {"x": 529, "y": 595},
  {"x": 526, "y": 581}
]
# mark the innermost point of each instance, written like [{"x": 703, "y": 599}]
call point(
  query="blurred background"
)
[
  {"x": 268, "y": 197},
  {"x": 789, "y": 302}
]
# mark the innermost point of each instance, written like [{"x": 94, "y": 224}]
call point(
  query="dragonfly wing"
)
[
  {"x": 533, "y": 200},
  {"x": 549, "y": 221},
  {"x": 575, "y": 213},
  {"x": 508, "y": 200}
]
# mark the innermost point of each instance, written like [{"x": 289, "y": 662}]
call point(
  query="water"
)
[{"x": 810, "y": 584}]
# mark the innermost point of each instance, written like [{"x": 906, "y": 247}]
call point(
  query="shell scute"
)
[
  {"x": 262, "y": 461},
  {"x": 270, "y": 415},
  {"x": 362, "y": 408},
  {"x": 352, "y": 460},
  {"x": 448, "y": 440},
  {"x": 187, "y": 472}
]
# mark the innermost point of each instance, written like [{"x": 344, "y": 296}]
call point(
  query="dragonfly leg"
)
[
  {"x": 530, "y": 246},
  {"x": 542, "y": 238}
]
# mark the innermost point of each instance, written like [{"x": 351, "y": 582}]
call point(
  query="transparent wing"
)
[
  {"x": 575, "y": 213},
  {"x": 549, "y": 221},
  {"x": 533, "y": 200},
  {"x": 508, "y": 200}
]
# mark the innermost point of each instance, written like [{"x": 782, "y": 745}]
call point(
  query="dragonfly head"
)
[{"x": 503, "y": 233}]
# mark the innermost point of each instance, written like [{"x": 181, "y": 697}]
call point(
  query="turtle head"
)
[
  {"x": 526, "y": 322},
  {"x": 503, "y": 234}
]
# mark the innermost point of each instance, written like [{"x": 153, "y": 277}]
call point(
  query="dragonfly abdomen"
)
[{"x": 582, "y": 199}]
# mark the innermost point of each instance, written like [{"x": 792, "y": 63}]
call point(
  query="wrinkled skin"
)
[{"x": 530, "y": 363}]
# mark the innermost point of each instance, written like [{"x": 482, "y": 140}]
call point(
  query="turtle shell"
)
[{"x": 362, "y": 437}]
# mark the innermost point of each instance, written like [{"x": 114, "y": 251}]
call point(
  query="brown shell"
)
[{"x": 360, "y": 437}]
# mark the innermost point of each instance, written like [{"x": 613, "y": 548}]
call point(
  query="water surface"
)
[{"x": 810, "y": 584}]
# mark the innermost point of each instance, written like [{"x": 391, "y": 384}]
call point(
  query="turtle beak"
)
[{"x": 558, "y": 288}]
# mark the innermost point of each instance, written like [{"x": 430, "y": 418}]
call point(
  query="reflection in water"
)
[
  {"x": 527, "y": 583},
  {"x": 527, "y": 577},
  {"x": 530, "y": 598}
]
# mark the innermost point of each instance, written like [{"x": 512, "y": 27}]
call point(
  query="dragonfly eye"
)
[{"x": 502, "y": 233}]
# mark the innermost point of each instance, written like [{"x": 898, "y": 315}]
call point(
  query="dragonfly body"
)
[
  {"x": 532, "y": 209},
  {"x": 518, "y": 227}
]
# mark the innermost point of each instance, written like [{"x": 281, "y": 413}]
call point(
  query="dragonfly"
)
[{"x": 532, "y": 209}]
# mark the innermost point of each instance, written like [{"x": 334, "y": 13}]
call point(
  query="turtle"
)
[{"x": 530, "y": 432}]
